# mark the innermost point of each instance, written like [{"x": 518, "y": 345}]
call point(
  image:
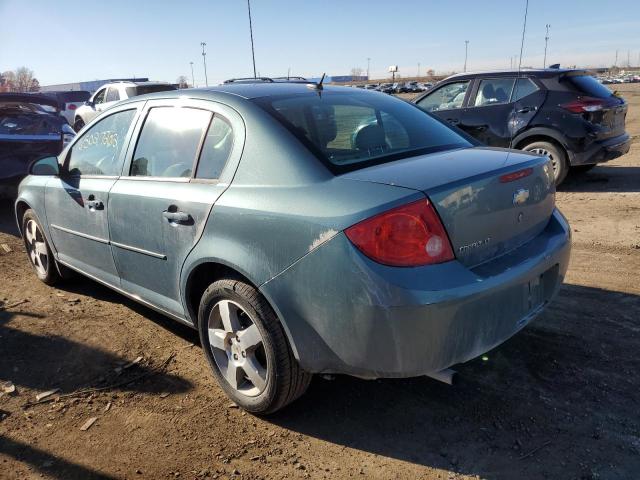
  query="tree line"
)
[{"x": 19, "y": 80}]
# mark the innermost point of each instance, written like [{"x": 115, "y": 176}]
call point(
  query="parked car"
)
[
  {"x": 301, "y": 232},
  {"x": 112, "y": 93},
  {"x": 386, "y": 88},
  {"x": 69, "y": 101},
  {"x": 566, "y": 115},
  {"x": 30, "y": 128}
]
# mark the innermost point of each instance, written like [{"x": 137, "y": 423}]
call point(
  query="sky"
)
[{"x": 69, "y": 41}]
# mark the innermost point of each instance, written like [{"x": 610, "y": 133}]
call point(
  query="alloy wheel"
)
[
  {"x": 238, "y": 348},
  {"x": 36, "y": 247}
]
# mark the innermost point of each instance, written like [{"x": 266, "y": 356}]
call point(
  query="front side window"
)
[
  {"x": 215, "y": 150},
  {"x": 494, "y": 91},
  {"x": 169, "y": 142},
  {"x": 97, "y": 152},
  {"x": 113, "y": 95},
  {"x": 447, "y": 97},
  {"x": 99, "y": 98},
  {"x": 352, "y": 130}
]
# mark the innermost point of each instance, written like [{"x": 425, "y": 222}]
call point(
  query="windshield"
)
[
  {"x": 144, "y": 89},
  {"x": 353, "y": 130},
  {"x": 588, "y": 85}
]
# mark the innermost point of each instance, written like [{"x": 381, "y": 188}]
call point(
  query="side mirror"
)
[
  {"x": 45, "y": 166},
  {"x": 89, "y": 103}
]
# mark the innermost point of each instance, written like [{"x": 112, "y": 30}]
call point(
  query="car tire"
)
[
  {"x": 38, "y": 249},
  {"x": 583, "y": 168},
  {"x": 247, "y": 348},
  {"x": 556, "y": 154},
  {"x": 78, "y": 124}
]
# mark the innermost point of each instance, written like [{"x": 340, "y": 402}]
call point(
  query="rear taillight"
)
[
  {"x": 406, "y": 236},
  {"x": 585, "y": 105},
  {"x": 71, "y": 106}
]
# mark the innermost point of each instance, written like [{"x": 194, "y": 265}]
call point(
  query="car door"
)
[
  {"x": 172, "y": 178},
  {"x": 488, "y": 111},
  {"x": 447, "y": 101},
  {"x": 527, "y": 101},
  {"x": 77, "y": 201}
]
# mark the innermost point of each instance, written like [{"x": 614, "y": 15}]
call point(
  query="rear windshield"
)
[
  {"x": 78, "y": 96},
  {"x": 589, "y": 86},
  {"x": 19, "y": 120},
  {"x": 349, "y": 130},
  {"x": 144, "y": 89}
]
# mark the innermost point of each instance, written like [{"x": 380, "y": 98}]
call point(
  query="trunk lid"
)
[{"x": 484, "y": 216}]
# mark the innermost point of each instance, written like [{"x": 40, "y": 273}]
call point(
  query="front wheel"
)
[
  {"x": 247, "y": 348},
  {"x": 38, "y": 249},
  {"x": 78, "y": 124},
  {"x": 556, "y": 155}
]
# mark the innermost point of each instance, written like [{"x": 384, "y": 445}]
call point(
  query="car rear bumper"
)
[
  {"x": 344, "y": 313},
  {"x": 602, "y": 151}
]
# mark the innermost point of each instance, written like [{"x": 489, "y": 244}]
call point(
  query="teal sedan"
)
[{"x": 302, "y": 229}]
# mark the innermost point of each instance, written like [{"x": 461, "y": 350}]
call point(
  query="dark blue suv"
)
[{"x": 566, "y": 115}]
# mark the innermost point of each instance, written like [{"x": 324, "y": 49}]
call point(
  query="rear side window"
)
[
  {"x": 215, "y": 150},
  {"x": 589, "y": 86},
  {"x": 353, "y": 130},
  {"x": 169, "y": 142},
  {"x": 99, "y": 98},
  {"x": 447, "y": 97},
  {"x": 98, "y": 151},
  {"x": 524, "y": 87},
  {"x": 494, "y": 91},
  {"x": 113, "y": 95}
]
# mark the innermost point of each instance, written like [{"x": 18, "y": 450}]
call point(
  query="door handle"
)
[
  {"x": 174, "y": 216},
  {"x": 453, "y": 121},
  {"x": 527, "y": 109}
]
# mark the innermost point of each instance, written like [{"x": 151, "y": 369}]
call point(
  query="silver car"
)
[
  {"x": 110, "y": 94},
  {"x": 302, "y": 230}
]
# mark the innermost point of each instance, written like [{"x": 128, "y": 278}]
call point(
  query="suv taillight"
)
[
  {"x": 585, "y": 105},
  {"x": 72, "y": 106},
  {"x": 407, "y": 236}
]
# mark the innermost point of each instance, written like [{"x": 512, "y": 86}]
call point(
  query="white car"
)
[{"x": 111, "y": 93}]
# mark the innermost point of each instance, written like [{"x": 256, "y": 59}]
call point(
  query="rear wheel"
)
[
  {"x": 38, "y": 249},
  {"x": 247, "y": 348},
  {"x": 78, "y": 124},
  {"x": 556, "y": 154}
]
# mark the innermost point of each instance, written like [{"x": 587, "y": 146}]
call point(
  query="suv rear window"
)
[
  {"x": 77, "y": 96},
  {"x": 144, "y": 89},
  {"x": 589, "y": 86},
  {"x": 354, "y": 130}
]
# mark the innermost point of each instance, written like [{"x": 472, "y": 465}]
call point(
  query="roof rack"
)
[{"x": 267, "y": 80}]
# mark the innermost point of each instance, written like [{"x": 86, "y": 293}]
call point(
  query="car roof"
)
[
  {"x": 256, "y": 90},
  {"x": 536, "y": 72}
]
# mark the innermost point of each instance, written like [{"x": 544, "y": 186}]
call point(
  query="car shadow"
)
[
  {"x": 44, "y": 362},
  {"x": 603, "y": 178},
  {"x": 47, "y": 464},
  {"x": 7, "y": 218},
  {"x": 514, "y": 413}
]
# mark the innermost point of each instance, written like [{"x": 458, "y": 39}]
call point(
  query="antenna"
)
[{"x": 513, "y": 121}]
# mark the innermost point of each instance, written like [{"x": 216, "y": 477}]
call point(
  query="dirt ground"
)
[{"x": 559, "y": 400}]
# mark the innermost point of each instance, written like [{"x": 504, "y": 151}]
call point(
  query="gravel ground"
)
[{"x": 559, "y": 400}]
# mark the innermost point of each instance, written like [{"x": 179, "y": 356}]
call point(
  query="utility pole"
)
[
  {"x": 204, "y": 61},
  {"x": 615, "y": 64},
  {"x": 253, "y": 55},
  {"x": 418, "y": 69},
  {"x": 628, "y": 58},
  {"x": 193, "y": 79},
  {"x": 546, "y": 41},
  {"x": 368, "y": 64},
  {"x": 288, "y": 73},
  {"x": 466, "y": 50}
]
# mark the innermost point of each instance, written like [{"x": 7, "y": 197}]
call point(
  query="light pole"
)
[
  {"x": 193, "y": 79},
  {"x": 368, "y": 64},
  {"x": 615, "y": 64},
  {"x": 418, "y": 70},
  {"x": 546, "y": 41},
  {"x": 253, "y": 55},
  {"x": 466, "y": 49},
  {"x": 204, "y": 61}
]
